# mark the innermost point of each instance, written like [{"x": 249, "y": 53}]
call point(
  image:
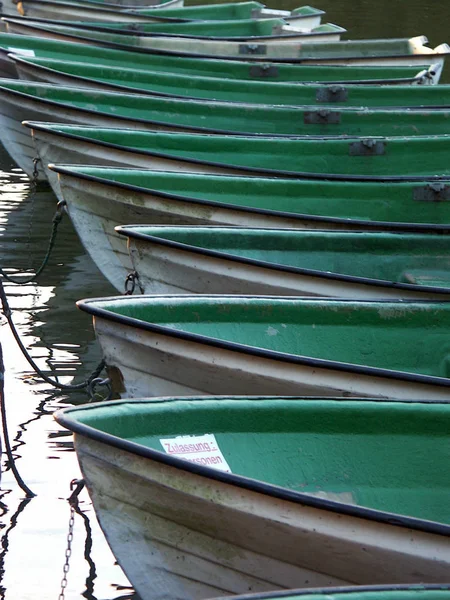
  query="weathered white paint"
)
[{"x": 182, "y": 536}]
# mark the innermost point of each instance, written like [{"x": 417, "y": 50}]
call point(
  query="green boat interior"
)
[
  {"x": 405, "y": 258},
  {"x": 388, "y": 456},
  {"x": 364, "y": 333}
]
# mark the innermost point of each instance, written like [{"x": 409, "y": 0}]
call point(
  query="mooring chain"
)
[
  {"x": 62, "y": 386},
  {"x": 55, "y": 222},
  {"x": 76, "y": 485}
]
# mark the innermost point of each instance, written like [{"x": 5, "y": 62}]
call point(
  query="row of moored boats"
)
[{"x": 278, "y": 200}]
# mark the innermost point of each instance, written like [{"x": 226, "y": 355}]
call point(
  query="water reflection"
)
[{"x": 61, "y": 341}]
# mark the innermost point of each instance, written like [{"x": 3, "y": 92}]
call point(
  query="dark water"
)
[{"x": 33, "y": 534}]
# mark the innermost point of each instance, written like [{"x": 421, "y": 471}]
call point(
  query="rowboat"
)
[
  {"x": 306, "y": 17},
  {"x": 225, "y": 495},
  {"x": 371, "y": 159},
  {"x": 27, "y": 46},
  {"x": 218, "y": 260},
  {"x": 235, "y": 30},
  {"x": 53, "y": 103},
  {"x": 205, "y": 344},
  {"x": 99, "y": 199},
  {"x": 157, "y": 83},
  {"x": 95, "y": 12},
  {"x": 94, "y": 5},
  {"x": 229, "y": 29},
  {"x": 402, "y": 51},
  {"x": 230, "y": 36},
  {"x": 387, "y": 592}
]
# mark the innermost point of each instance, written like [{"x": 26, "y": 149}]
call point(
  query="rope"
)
[
  {"x": 66, "y": 387},
  {"x": 9, "y": 453},
  {"x": 55, "y": 221}
]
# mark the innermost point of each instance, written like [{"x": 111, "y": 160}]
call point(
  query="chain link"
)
[
  {"x": 130, "y": 283},
  {"x": 32, "y": 196},
  {"x": 68, "y": 554},
  {"x": 76, "y": 485}
]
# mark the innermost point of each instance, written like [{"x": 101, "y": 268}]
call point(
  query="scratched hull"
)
[{"x": 202, "y": 533}]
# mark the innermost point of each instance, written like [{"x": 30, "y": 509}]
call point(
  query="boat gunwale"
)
[
  {"x": 246, "y": 58},
  {"x": 128, "y": 86},
  {"x": 126, "y": 230},
  {"x": 64, "y": 418},
  {"x": 89, "y": 305},
  {"x": 386, "y": 226}
]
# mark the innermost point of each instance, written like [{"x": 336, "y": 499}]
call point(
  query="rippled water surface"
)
[{"x": 33, "y": 533}]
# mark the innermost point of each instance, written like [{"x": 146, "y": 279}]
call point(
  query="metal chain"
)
[
  {"x": 68, "y": 554},
  {"x": 130, "y": 283},
  {"x": 32, "y": 196},
  {"x": 55, "y": 221},
  {"x": 61, "y": 386},
  {"x": 76, "y": 485}
]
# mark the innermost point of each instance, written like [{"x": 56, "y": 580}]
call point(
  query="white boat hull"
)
[
  {"x": 144, "y": 363},
  {"x": 182, "y": 536}
]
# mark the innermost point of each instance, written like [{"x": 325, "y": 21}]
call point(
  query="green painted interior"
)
[
  {"x": 389, "y": 456},
  {"x": 238, "y": 90},
  {"x": 208, "y": 67},
  {"x": 259, "y": 119},
  {"x": 229, "y": 28},
  {"x": 352, "y": 332},
  {"x": 370, "y": 201},
  {"x": 381, "y": 256}
]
